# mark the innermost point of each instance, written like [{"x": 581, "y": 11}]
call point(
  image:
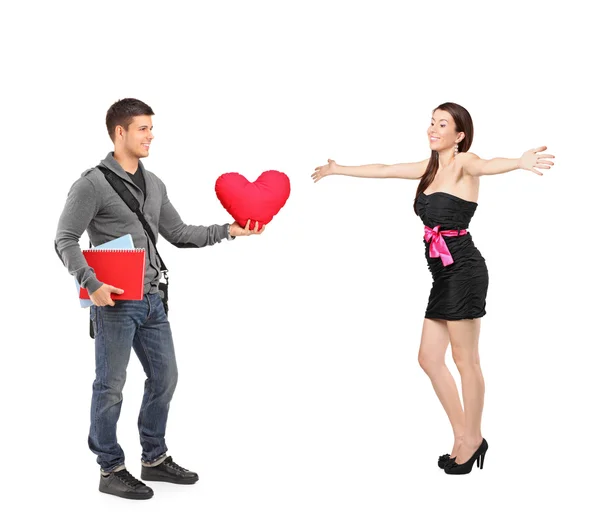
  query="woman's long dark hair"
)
[{"x": 464, "y": 124}]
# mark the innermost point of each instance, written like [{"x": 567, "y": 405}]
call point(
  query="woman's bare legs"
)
[
  {"x": 432, "y": 353},
  {"x": 464, "y": 338}
]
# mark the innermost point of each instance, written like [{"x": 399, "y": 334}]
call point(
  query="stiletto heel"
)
[{"x": 462, "y": 469}]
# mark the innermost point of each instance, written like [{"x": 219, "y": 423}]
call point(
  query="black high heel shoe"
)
[
  {"x": 463, "y": 469},
  {"x": 444, "y": 460}
]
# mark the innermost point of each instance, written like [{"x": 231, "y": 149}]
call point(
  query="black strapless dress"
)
[{"x": 459, "y": 289}]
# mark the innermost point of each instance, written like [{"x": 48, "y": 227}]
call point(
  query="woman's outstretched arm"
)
[
  {"x": 413, "y": 170},
  {"x": 476, "y": 167}
]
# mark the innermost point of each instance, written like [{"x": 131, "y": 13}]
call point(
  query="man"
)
[{"x": 94, "y": 206}]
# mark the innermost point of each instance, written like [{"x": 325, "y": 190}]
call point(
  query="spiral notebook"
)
[
  {"x": 122, "y": 268},
  {"x": 125, "y": 241}
]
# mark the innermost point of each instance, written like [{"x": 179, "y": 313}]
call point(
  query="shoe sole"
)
[
  {"x": 459, "y": 473},
  {"x": 129, "y": 496},
  {"x": 169, "y": 479}
]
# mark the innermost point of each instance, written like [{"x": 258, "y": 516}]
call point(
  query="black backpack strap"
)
[{"x": 119, "y": 186}]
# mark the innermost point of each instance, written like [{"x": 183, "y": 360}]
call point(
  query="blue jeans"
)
[{"x": 143, "y": 325}]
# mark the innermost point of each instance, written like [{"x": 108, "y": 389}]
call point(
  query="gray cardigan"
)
[{"x": 93, "y": 206}]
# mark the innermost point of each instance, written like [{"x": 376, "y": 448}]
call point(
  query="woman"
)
[{"x": 446, "y": 200}]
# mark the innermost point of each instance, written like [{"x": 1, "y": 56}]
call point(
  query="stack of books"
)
[{"x": 119, "y": 264}]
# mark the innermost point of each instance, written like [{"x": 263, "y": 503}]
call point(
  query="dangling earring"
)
[{"x": 455, "y": 149}]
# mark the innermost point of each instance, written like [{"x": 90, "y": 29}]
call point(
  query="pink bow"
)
[{"x": 438, "y": 247}]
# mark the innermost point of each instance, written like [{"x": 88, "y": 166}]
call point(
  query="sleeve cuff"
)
[
  {"x": 92, "y": 285},
  {"x": 228, "y": 236}
]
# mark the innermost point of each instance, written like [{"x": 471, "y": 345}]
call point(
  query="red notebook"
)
[{"x": 121, "y": 268}]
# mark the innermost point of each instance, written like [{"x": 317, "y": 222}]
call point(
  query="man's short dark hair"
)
[{"x": 122, "y": 113}]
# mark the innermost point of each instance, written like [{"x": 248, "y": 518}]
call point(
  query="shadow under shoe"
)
[
  {"x": 124, "y": 484},
  {"x": 169, "y": 471},
  {"x": 463, "y": 469}
]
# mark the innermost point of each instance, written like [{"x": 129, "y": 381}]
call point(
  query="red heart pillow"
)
[{"x": 258, "y": 201}]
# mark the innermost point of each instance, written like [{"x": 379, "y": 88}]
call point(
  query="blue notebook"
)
[{"x": 125, "y": 241}]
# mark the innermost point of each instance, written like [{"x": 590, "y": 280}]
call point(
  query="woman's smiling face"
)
[{"x": 442, "y": 131}]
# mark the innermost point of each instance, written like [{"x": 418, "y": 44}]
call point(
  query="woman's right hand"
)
[{"x": 322, "y": 171}]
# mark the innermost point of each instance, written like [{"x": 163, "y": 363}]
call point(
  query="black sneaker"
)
[
  {"x": 124, "y": 484},
  {"x": 169, "y": 471}
]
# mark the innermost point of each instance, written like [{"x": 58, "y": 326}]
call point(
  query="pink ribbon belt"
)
[{"x": 438, "y": 247}]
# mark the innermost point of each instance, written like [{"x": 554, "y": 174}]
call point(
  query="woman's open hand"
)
[
  {"x": 322, "y": 171},
  {"x": 531, "y": 159}
]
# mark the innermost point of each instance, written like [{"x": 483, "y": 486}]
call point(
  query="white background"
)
[{"x": 300, "y": 400}]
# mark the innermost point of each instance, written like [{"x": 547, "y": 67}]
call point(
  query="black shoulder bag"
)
[{"x": 133, "y": 204}]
